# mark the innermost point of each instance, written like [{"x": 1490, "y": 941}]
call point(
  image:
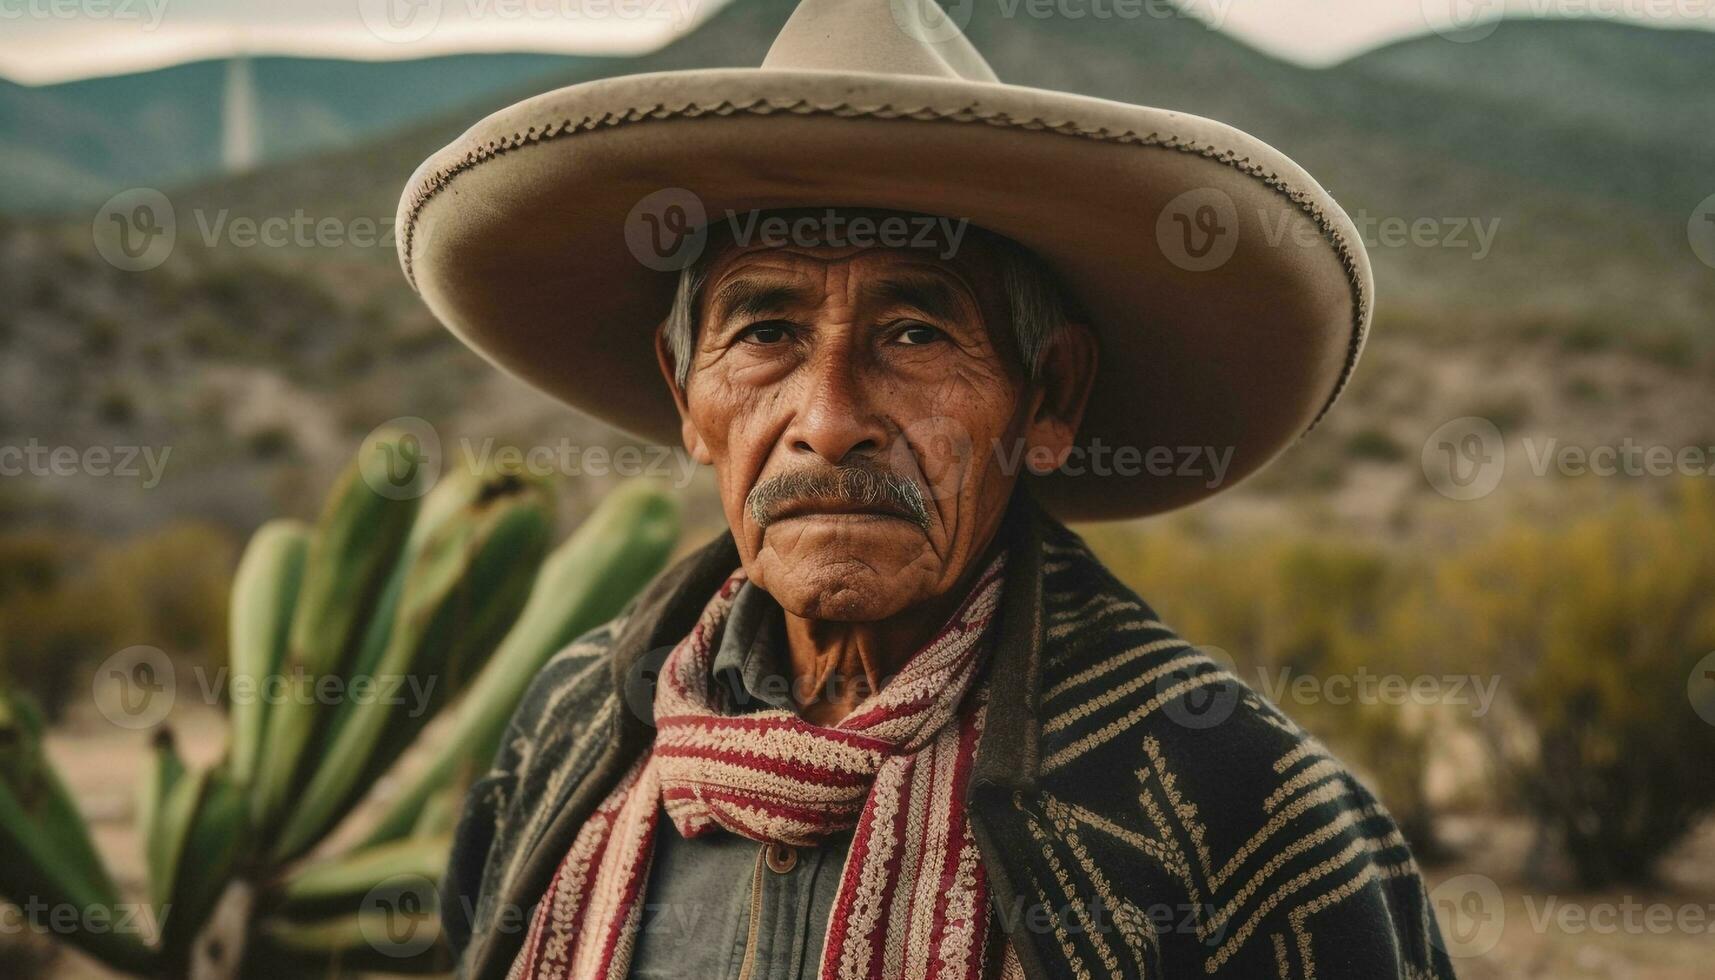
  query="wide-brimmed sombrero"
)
[{"x": 1229, "y": 293}]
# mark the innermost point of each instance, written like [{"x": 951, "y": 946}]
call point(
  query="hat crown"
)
[{"x": 893, "y": 37}]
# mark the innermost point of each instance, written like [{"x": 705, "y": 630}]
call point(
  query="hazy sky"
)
[{"x": 52, "y": 40}]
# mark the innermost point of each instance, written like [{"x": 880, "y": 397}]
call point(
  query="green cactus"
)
[{"x": 456, "y": 592}]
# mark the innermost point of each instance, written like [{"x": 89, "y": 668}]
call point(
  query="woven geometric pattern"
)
[
  {"x": 1185, "y": 827},
  {"x": 1158, "y": 819}
]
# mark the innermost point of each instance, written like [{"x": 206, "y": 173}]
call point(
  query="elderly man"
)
[{"x": 899, "y": 722}]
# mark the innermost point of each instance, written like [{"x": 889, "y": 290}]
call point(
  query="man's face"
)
[{"x": 885, "y": 366}]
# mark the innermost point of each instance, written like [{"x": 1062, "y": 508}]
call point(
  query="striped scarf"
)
[{"x": 913, "y": 897}]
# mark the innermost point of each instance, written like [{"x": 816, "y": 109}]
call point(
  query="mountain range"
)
[
  {"x": 74, "y": 144},
  {"x": 1558, "y": 165}
]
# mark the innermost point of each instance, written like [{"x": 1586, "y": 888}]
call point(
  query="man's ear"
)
[
  {"x": 1064, "y": 377},
  {"x": 687, "y": 432}
]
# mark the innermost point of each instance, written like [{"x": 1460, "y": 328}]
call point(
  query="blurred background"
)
[{"x": 1487, "y": 581}]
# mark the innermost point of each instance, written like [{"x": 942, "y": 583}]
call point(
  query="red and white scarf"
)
[{"x": 913, "y": 898}]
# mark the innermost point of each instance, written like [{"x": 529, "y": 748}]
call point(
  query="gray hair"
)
[{"x": 1036, "y": 305}]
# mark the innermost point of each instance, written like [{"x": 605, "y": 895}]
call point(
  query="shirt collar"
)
[{"x": 750, "y": 663}]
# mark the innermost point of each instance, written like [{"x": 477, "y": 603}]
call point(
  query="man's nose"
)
[{"x": 836, "y": 418}]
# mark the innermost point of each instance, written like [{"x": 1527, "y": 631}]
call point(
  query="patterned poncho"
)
[{"x": 1139, "y": 812}]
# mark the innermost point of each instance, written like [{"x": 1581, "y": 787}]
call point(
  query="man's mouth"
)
[{"x": 839, "y": 509}]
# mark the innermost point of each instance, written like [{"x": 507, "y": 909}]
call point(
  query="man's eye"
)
[
  {"x": 915, "y": 334},
  {"x": 771, "y": 332}
]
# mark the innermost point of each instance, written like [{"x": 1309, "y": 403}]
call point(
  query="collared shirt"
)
[{"x": 702, "y": 891}]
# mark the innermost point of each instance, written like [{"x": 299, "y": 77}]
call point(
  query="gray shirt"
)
[{"x": 698, "y": 908}]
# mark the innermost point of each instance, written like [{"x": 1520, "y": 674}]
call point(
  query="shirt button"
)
[{"x": 781, "y": 858}]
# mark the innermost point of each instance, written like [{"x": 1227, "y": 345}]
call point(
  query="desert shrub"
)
[
  {"x": 1590, "y": 628},
  {"x": 1376, "y": 445},
  {"x": 43, "y": 637},
  {"x": 271, "y": 442},
  {"x": 116, "y": 406},
  {"x": 1594, "y": 628},
  {"x": 66, "y": 603},
  {"x": 101, "y": 337}
]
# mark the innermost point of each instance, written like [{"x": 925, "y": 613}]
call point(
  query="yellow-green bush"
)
[
  {"x": 68, "y": 602},
  {"x": 1594, "y": 627},
  {"x": 1589, "y": 627}
]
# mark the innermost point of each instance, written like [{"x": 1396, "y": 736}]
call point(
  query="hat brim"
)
[{"x": 516, "y": 237}]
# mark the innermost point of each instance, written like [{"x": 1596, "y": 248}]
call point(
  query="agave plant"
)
[{"x": 454, "y": 595}]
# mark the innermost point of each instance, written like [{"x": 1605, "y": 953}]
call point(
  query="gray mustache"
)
[{"x": 861, "y": 484}]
